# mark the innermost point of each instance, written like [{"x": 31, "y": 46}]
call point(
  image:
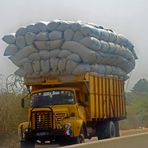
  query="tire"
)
[
  {"x": 106, "y": 129},
  {"x": 80, "y": 138},
  {"x": 27, "y": 144},
  {"x": 110, "y": 129},
  {"x": 100, "y": 130},
  {"x": 117, "y": 129}
]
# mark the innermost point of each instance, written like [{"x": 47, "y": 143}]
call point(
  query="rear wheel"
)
[
  {"x": 117, "y": 129},
  {"x": 27, "y": 144},
  {"x": 107, "y": 129}
]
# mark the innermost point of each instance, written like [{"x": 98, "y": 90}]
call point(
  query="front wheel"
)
[
  {"x": 27, "y": 144},
  {"x": 80, "y": 138}
]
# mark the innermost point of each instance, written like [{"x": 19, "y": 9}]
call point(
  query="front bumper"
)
[{"x": 45, "y": 134}]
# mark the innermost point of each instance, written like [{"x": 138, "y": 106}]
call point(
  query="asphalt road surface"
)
[{"x": 132, "y": 141}]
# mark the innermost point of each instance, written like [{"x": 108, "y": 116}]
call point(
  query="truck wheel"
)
[
  {"x": 80, "y": 138},
  {"x": 117, "y": 129},
  {"x": 27, "y": 144},
  {"x": 110, "y": 129},
  {"x": 105, "y": 130},
  {"x": 100, "y": 130}
]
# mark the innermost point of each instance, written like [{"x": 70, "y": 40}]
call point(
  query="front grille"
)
[
  {"x": 59, "y": 119},
  {"x": 41, "y": 120},
  {"x": 60, "y": 116}
]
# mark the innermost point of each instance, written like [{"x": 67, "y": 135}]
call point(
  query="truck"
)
[{"x": 66, "y": 110}]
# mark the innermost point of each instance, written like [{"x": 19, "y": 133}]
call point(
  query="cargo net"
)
[
  {"x": 60, "y": 48},
  {"x": 15, "y": 84}
]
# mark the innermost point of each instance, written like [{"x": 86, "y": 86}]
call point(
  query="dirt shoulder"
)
[{"x": 133, "y": 131}]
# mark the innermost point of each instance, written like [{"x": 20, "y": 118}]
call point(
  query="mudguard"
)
[{"x": 21, "y": 129}]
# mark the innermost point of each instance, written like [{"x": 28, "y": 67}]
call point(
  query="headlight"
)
[
  {"x": 67, "y": 126},
  {"x": 26, "y": 129}
]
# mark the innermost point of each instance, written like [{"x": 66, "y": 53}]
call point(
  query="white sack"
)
[
  {"x": 108, "y": 70},
  {"x": 86, "y": 54},
  {"x": 41, "y": 27},
  {"x": 104, "y": 34},
  {"x": 32, "y": 28},
  {"x": 75, "y": 26},
  {"x": 112, "y": 37},
  {"x": 63, "y": 26},
  {"x": 42, "y": 36},
  {"x": 55, "y": 35},
  {"x": 29, "y": 38},
  {"x": 61, "y": 65},
  {"x": 105, "y": 46},
  {"x": 34, "y": 56},
  {"x": 23, "y": 53},
  {"x": 22, "y": 62},
  {"x": 53, "y": 25},
  {"x": 122, "y": 51},
  {"x": 74, "y": 57},
  {"x": 78, "y": 36},
  {"x": 86, "y": 30},
  {"x": 98, "y": 68},
  {"x": 68, "y": 34},
  {"x": 113, "y": 49},
  {"x": 36, "y": 76},
  {"x": 70, "y": 66},
  {"x": 48, "y": 44},
  {"x": 64, "y": 53},
  {"x": 21, "y": 31},
  {"x": 9, "y": 39},
  {"x": 54, "y": 63},
  {"x": 81, "y": 68},
  {"x": 28, "y": 68},
  {"x": 20, "y": 42},
  {"x": 36, "y": 66},
  {"x": 91, "y": 43},
  {"x": 54, "y": 53},
  {"x": 10, "y": 50},
  {"x": 45, "y": 66},
  {"x": 20, "y": 72},
  {"x": 44, "y": 54}
]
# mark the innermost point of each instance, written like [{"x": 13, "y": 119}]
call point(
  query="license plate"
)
[{"x": 42, "y": 134}]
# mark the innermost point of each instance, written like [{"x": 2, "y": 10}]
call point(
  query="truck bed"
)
[
  {"x": 106, "y": 98},
  {"x": 105, "y": 94}
]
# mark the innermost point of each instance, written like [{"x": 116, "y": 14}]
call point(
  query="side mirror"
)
[
  {"x": 82, "y": 103},
  {"x": 22, "y": 103}
]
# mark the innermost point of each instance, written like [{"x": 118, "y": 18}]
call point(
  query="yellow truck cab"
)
[{"x": 67, "y": 111}]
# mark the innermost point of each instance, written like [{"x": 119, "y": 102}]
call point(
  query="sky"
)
[{"x": 127, "y": 17}]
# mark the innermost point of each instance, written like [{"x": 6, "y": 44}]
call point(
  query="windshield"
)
[{"x": 52, "y": 97}]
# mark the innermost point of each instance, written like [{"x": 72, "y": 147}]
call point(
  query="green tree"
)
[{"x": 141, "y": 86}]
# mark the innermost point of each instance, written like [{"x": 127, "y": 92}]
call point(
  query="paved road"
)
[{"x": 132, "y": 141}]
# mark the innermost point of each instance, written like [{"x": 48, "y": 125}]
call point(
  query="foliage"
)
[
  {"x": 11, "y": 112},
  {"x": 137, "y": 109},
  {"x": 141, "y": 86}
]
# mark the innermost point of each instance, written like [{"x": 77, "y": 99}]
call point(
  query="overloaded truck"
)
[
  {"x": 68, "y": 110},
  {"x": 75, "y": 73}
]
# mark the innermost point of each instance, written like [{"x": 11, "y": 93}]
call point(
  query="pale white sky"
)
[{"x": 127, "y": 17}]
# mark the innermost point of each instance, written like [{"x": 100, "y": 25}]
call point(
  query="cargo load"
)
[{"x": 62, "y": 48}]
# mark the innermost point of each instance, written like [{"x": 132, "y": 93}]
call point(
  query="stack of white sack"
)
[{"x": 61, "y": 48}]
